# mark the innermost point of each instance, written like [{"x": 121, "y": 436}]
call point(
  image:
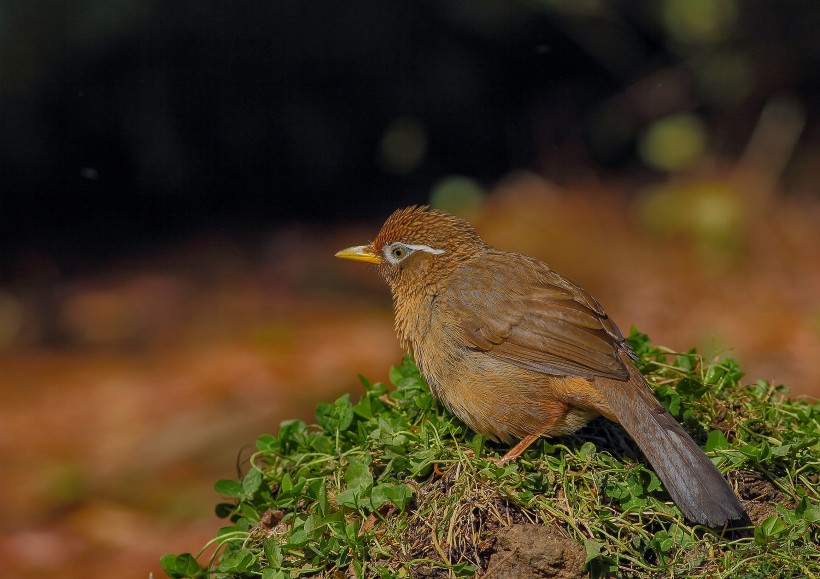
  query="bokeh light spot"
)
[
  {"x": 458, "y": 195},
  {"x": 403, "y": 146},
  {"x": 673, "y": 143},
  {"x": 699, "y": 21}
]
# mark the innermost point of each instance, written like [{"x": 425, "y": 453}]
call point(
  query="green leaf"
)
[
  {"x": 681, "y": 538},
  {"x": 758, "y": 453},
  {"x": 691, "y": 388},
  {"x": 245, "y": 515},
  {"x": 321, "y": 499},
  {"x": 359, "y": 483},
  {"x": 378, "y": 389},
  {"x": 670, "y": 399},
  {"x": 298, "y": 538},
  {"x": 714, "y": 374},
  {"x": 364, "y": 407},
  {"x": 251, "y": 482},
  {"x": 593, "y": 549},
  {"x": 249, "y": 512},
  {"x": 617, "y": 490},
  {"x": 782, "y": 450},
  {"x": 812, "y": 513},
  {"x": 639, "y": 341},
  {"x": 661, "y": 542},
  {"x": 290, "y": 433},
  {"x": 654, "y": 482},
  {"x": 267, "y": 443},
  {"x": 321, "y": 443},
  {"x": 477, "y": 444},
  {"x": 273, "y": 552},
  {"x": 807, "y": 510},
  {"x": 180, "y": 566},
  {"x": 337, "y": 416},
  {"x": 587, "y": 450},
  {"x": 224, "y": 510},
  {"x": 399, "y": 495},
  {"x": 313, "y": 487},
  {"x": 357, "y": 474},
  {"x": 463, "y": 569},
  {"x": 421, "y": 461},
  {"x": 351, "y": 498},
  {"x": 229, "y": 530},
  {"x": 407, "y": 380},
  {"x": 716, "y": 441},
  {"x": 769, "y": 529},
  {"x": 352, "y": 531},
  {"x": 313, "y": 523},
  {"x": 733, "y": 371},
  {"x": 237, "y": 562},
  {"x": 424, "y": 400},
  {"x": 394, "y": 375},
  {"x": 229, "y": 488},
  {"x": 365, "y": 382},
  {"x": 286, "y": 486},
  {"x": 687, "y": 361}
]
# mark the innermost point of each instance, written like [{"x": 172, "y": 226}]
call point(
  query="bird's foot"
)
[{"x": 516, "y": 450}]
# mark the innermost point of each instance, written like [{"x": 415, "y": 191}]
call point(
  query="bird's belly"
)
[{"x": 502, "y": 401}]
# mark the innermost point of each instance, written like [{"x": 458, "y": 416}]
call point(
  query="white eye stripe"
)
[
  {"x": 426, "y": 248},
  {"x": 397, "y": 252}
]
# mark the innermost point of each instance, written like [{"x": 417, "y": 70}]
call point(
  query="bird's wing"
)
[{"x": 516, "y": 309}]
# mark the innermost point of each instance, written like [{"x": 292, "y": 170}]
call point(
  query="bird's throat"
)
[{"x": 413, "y": 311}]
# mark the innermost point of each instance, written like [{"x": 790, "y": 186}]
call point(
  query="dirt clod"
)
[
  {"x": 525, "y": 551},
  {"x": 755, "y": 486}
]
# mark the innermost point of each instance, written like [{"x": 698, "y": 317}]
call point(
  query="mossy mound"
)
[{"x": 394, "y": 486}]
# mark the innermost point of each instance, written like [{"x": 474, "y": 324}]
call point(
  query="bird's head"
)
[{"x": 418, "y": 246}]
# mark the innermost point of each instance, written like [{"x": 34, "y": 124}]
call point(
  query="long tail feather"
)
[{"x": 691, "y": 479}]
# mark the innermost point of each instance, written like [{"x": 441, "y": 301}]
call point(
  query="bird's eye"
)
[{"x": 397, "y": 252}]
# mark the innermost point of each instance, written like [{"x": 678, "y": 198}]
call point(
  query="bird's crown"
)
[{"x": 435, "y": 231}]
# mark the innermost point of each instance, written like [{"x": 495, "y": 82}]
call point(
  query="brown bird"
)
[{"x": 516, "y": 351}]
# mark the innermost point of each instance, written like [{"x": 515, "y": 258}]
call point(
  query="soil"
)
[
  {"x": 526, "y": 551},
  {"x": 759, "y": 496}
]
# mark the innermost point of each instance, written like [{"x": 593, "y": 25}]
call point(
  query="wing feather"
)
[{"x": 517, "y": 309}]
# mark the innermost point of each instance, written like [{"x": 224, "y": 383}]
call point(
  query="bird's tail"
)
[{"x": 693, "y": 482}]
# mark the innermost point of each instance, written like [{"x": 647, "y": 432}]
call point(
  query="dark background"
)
[{"x": 130, "y": 123}]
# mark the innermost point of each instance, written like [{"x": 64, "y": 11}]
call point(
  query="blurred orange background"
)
[{"x": 112, "y": 442}]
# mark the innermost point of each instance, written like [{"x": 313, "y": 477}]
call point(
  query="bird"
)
[{"x": 516, "y": 351}]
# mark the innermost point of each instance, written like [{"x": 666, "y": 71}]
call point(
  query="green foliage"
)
[{"x": 393, "y": 486}]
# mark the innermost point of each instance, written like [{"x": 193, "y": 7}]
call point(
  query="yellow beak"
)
[{"x": 360, "y": 253}]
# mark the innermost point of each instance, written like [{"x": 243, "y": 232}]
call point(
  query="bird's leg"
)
[
  {"x": 555, "y": 414},
  {"x": 516, "y": 450}
]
